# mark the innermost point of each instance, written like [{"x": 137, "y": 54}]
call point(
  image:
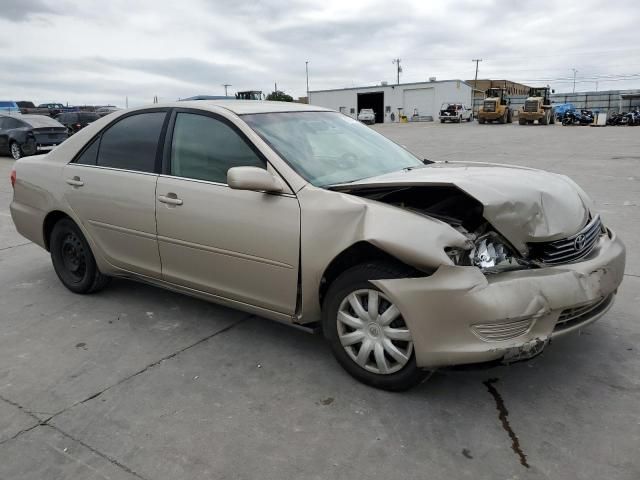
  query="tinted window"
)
[
  {"x": 12, "y": 123},
  {"x": 90, "y": 155},
  {"x": 132, "y": 142},
  {"x": 205, "y": 148}
]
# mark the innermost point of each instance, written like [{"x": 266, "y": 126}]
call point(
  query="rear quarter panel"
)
[{"x": 36, "y": 193}]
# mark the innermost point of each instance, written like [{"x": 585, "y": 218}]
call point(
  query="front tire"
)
[
  {"x": 366, "y": 331},
  {"x": 73, "y": 260}
]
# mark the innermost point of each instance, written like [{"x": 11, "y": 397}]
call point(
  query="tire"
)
[
  {"x": 544, "y": 120},
  {"x": 16, "y": 150},
  {"x": 72, "y": 259},
  {"x": 509, "y": 117},
  {"x": 442, "y": 120},
  {"x": 470, "y": 119},
  {"x": 354, "y": 285},
  {"x": 481, "y": 121},
  {"x": 503, "y": 118},
  {"x": 522, "y": 121}
]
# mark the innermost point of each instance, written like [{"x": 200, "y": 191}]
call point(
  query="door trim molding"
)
[{"x": 220, "y": 251}]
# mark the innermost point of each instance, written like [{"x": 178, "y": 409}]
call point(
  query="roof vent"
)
[
  {"x": 432, "y": 79},
  {"x": 384, "y": 84}
]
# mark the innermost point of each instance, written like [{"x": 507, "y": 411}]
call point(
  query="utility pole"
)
[
  {"x": 475, "y": 82},
  {"x": 226, "y": 85},
  {"x": 398, "y": 69},
  {"x": 574, "y": 79},
  {"x": 306, "y": 69}
]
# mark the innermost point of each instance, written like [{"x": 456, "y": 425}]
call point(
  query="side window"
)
[
  {"x": 90, "y": 154},
  {"x": 132, "y": 142},
  {"x": 204, "y": 148}
]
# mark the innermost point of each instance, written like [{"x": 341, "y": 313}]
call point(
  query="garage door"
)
[{"x": 420, "y": 99}]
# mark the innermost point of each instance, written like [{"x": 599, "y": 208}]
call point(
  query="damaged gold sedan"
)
[{"x": 303, "y": 215}]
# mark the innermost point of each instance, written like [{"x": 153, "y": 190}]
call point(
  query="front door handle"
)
[
  {"x": 170, "y": 199},
  {"x": 75, "y": 181}
]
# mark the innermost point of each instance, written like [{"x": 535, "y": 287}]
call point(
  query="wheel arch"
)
[
  {"x": 49, "y": 222},
  {"x": 358, "y": 253}
]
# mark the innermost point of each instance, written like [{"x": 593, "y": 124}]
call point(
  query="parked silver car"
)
[{"x": 303, "y": 215}]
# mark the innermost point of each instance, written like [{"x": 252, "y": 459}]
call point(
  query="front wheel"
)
[
  {"x": 367, "y": 332},
  {"x": 72, "y": 259}
]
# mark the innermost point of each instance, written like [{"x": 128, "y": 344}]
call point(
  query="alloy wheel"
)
[
  {"x": 16, "y": 153},
  {"x": 373, "y": 332}
]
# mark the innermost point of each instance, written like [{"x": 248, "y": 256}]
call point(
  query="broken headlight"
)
[{"x": 490, "y": 253}]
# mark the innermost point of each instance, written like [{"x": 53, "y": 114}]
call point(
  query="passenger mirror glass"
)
[{"x": 254, "y": 179}]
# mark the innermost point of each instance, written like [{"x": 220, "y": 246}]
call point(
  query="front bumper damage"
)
[{"x": 460, "y": 316}]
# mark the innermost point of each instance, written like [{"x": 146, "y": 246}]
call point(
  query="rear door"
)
[
  {"x": 240, "y": 245},
  {"x": 111, "y": 186}
]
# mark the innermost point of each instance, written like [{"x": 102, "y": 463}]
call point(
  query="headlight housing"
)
[{"x": 490, "y": 253}]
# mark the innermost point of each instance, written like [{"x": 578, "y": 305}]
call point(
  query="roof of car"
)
[{"x": 241, "y": 107}]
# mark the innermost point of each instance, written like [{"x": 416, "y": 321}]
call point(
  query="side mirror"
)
[{"x": 254, "y": 179}]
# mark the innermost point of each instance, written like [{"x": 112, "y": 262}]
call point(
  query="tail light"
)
[{"x": 13, "y": 177}]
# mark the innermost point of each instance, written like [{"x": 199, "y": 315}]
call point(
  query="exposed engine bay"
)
[{"x": 491, "y": 252}]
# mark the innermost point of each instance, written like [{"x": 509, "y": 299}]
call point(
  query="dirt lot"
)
[{"x": 136, "y": 382}]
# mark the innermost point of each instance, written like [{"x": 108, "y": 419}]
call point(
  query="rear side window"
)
[
  {"x": 204, "y": 148},
  {"x": 90, "y": 155},
  {"x": 132, "y": 143}
]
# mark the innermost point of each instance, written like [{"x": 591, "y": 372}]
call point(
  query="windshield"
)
[{"x": 329, "y": 148}]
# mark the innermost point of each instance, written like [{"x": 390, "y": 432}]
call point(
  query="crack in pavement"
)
[
  {"x": 503, "y": 413},
  {"x": 45, "y": 422},
  {"x": 151, "y": 365},
  {"x": 97, "y": 452},
  {"x": 15, "y": 246}
]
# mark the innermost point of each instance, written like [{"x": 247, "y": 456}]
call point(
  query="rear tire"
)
[
  {"x": 522, "y": 121},
  {"x": 481, "y": 121},
  {"x": 73, "y": 260},
  {"x": 16, "y": 150},
  {"x": 369, "y": 344},
  {"x": 509, "y": 117}
]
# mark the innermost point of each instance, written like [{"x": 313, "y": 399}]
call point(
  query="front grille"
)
[
  {"x": 531, "y": 106},
  {"x": 575, "y": 316},
  {"x": 495, "y": 332},
  {"x": 489, "y": 106},
  {"x": 569, "y": 249}
]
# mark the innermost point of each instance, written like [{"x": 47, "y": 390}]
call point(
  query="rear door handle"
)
[
  {"x": 170, "y": 199},
  {"x": 75, "y": 182}
]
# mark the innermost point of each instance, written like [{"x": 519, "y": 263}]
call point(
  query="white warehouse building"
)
[{"x": 415, "y": 100}]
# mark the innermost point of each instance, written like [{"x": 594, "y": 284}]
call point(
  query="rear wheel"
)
[
  {"x": 72, "y": 259},
  {"x": 480, "y": 120},
  {"x": 509, "y": 118},
  {"x": 522, "y": 121},
  {"x": 366, "y": 330},
  {"x": 16, "y": 151}
]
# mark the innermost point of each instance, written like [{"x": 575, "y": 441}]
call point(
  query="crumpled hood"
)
[{"x": 523, "y": 204}]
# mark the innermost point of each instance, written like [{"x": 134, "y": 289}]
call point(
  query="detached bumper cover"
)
[{"x": 458, "y": 315}]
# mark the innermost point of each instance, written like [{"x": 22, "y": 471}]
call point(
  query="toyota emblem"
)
[{"x": 579, "y": 242}]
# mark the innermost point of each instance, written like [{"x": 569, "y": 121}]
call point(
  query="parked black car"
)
[
  {"x": 75, "y": 121},
  {"x": 22, "y": 135}
]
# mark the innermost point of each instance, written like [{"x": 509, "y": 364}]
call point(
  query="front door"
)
[
  {"x": 111, "y": 187},
  {"x": 241, "y": 245}
]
